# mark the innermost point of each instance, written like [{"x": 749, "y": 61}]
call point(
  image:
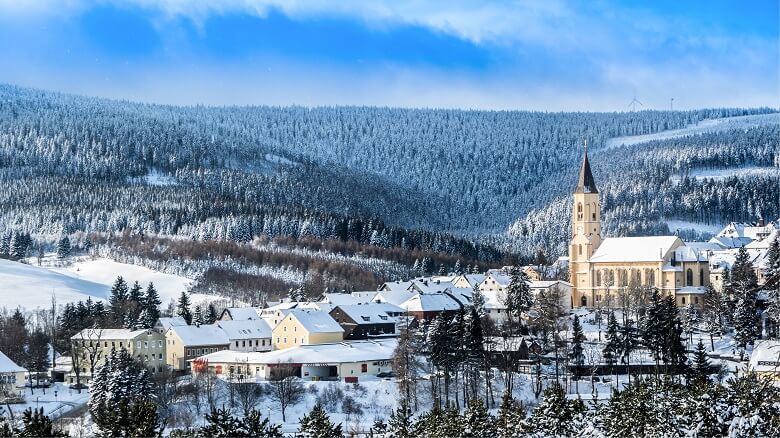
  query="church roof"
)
[
  {"x": 634, "y": 249},
  {"x": 586, "y": 183}
]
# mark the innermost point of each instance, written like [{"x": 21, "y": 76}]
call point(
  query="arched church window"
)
[
  {"x": 579, "y": 211},
  {"x": 598, "y": 278},
  {"x": 701, "y": 277},
  {"x": 594, "y": 211},
  {"x": 689, "y": 277},
  {"x": 580, "y": 249},
  {"x": 584, "y": 301}
]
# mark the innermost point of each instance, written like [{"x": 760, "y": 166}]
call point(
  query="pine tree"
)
[
  {"x": 63, "y": 247},
  {"x": 478, "y": 301},
  {"x": 442, "y": 269},
  {"x": 183, "y": 308},
  {"x": 197, "y": 316},
  {"x": 519, "y": 298},
  {"x": 773, "y": 258},
  {"x": 118, "y": 299},
  {"x": 151, "y": 304},
  {"x": 458, "y": 269},
  {"x": 5, "y": 245},
  {"x": 612, "y": 347},
  {"x": 400, "y": 423},
  {"x": 511, "y": 416},
  {"x": 701, "y": 363},
  {"x": 36, "y": 424},
  {"x": 316, "y": 424},
  {"x": 19, "y": 246},
  {"x": 555, "y": 414},
  {"x": 211, "y": 314},
  {"x": 745, "y": 320},
  {"x": 742, "y": 274},
  {"x": 478, "y": 422},
  {"x": 576, "y": 355}
]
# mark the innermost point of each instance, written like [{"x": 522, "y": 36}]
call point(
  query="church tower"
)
[{"x": 586, "y": 232}]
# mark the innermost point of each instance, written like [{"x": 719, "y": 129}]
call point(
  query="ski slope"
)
[
  {"x": 31, "y": 286},
  {"x": 703, "y": 127}
]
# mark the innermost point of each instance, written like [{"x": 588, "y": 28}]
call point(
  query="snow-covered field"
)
[
  {"x": 699, "y": 227},
  {"x": 717, "y": 174},
  {"x": 30, "y": 286},
  {"x": 56, "y": 401},
  {"x": 703, "y": 127}
]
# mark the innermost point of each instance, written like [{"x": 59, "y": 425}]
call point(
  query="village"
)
[{"x": 524, "y": 314}]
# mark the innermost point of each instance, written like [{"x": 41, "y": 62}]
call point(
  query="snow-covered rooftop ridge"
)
[
  {"x": 101, "y": 334},
  {"x": 765, "y": 356},
  {"x": 634, "y": 249},
  {"x": 747, "y": 230},
  {"x": 243, "y": 313},
  {"x": 316, "y": 321},
  {"x": 245, "y": 329},
  {"x": 166, "y": 322},
  {"x": 203, "y": 335},
  {"x": 9, "y": 366},
  {"x": 430, "y": 303},
  {"x": 338, "y": 299},
  {"x": 396, "y": 297},
  {"x": 338, "y": 352},
  {"x": 371, "y": 313}
]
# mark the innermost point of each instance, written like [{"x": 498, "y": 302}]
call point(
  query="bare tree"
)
[
  {"x": 207, "y": 384},
  {"x": 406, "y": 363},
  {"x": 90, "y": 342},
  {"x": 286, "y": 387},
  {"x": 247, "y": 391}
]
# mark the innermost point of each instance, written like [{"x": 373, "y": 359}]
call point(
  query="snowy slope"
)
[
  {"x": 703, "y": 127},
  {"x": 30, "y": 286},
  {"x": 104, "y": 271}
]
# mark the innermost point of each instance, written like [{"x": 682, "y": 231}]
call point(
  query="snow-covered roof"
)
[
  {"x": 766, "y": 356},
  {"x": 203, "y": 335},
  {"x": 395, "y": 286},
  {"x": 91, "y": 334},
  {"x": 689, "y": 254},
  {"x": 167, "y": 322},
  {"x": 343, "y": 299},
  {"x": 501, "y": 278},
  {"x": 747, "y": 230},
  {"x": 242, "y": 313},
  {"x": 393, "y": 296},
  {"x": 472, "y": 279},
  {"x": 373, "y": 313},
  {"x": 8, "y": 366},
  {"x": 245, "y": 329},
  {"x": 430, "y": 303},
  {"x": 430, "y": 286},
  {"x": 544, "y": 284},
  {"x": 338, "y": 352},
  {"x": 634, "y": 249},
  {"x": 696, "y": 290},
  {"x": 316, "y": 321},
  {"x": 730, "y": 242}
]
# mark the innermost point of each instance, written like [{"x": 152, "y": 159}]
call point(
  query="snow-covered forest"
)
[{"x": 374, "y": 175}]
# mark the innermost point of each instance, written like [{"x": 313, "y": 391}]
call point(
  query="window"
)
[
  {"x": 236, "y": 343},
  {"x": 364, "y": 367},
  {"x": 580, "y": 249},
  {"x": 683, "y": 300},
  {"x": 696, "y": 300},
  {"x": 701, "y": 277},
  {"x": 366, "y": 318},
  {"x": 146, "y": 344},
  {"x": 689, "y": 277}
]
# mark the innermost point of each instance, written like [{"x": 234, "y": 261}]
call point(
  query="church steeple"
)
[{"x": 586, "y": 183}]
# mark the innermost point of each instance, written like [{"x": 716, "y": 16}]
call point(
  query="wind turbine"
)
[
  {"x": 671, "y": 104},
  {"x": 633, "y": 103}
]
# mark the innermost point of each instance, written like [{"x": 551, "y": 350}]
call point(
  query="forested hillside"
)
[{"x": 393, "y": 178}]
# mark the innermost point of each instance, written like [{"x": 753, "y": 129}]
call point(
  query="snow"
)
[
  {"x": 342, "y": 352},
  {"x": 430, "y": 303},
  {"x": 741, "y": 171},
  {"x": 203, "y": 335},
  {"x": 9, "y": 366},
  {"x": 703, "y": 127},
  {"x": 155, "y": 178},
  {"x": 316, "y": 321},
  {"x": 634, "y": 249},
  {"x": 699, "y": 227},
  {"x": 371, "y": 313},
  {"x": 245, "y": 329},
  {"x": 32, "y": 287},
  {"x": 766, "y": 356},
  {"x": 55, "y": 406},
  {"x": 98, "y": 334}
]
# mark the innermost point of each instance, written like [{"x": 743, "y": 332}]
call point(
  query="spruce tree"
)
[
  {"x": 197, "y": 316},
  {"x": 477, "y": 422},
  {"x": 576, "y": 352},
  {"x": 36, "y": 424},
  {"x": 511, "y": 416},
  {"x": 183, "y": 308},
  {"x": 117, "y": 300},
  {"x": 555, "y": 414},
  {"x": 478, "y": 301},
  {"x": 211, "y": 314},
  {"x": 612, "y": 347},
  {"x": 518, "y": 298},
  {"x": 400, "y": 423},
  {"x": 773, "y": 258},
  {"x": 742, "y": 274},
  {"x": 63, "y": 247},
  {"x": 5, "y": 245},
  {"x": 701, "y": 363},
  {"x": 316, "y": 424},
  {"x": 151, "y": 304},
  {"x": 745, "y": 318}
]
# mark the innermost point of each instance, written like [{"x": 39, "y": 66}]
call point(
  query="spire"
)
[{"x": 586, "y": 183}]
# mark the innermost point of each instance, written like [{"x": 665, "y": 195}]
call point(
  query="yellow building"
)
[
  {"x": 602, "y": 269},
  {"x": 187, "y": 342},
  {"x": 302, "y": 327},
  {"x": 91, "y": 346}
]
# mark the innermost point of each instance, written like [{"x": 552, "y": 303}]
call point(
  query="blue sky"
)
[{"x": 543, "y": 55}]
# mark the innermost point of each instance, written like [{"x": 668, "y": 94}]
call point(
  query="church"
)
[{"x": 601, "y": 268}]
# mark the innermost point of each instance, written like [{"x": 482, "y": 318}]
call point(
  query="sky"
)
[{"x": 547, "y": 55}]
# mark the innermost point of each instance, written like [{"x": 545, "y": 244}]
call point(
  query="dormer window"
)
[{"x": 366, "y": 318}]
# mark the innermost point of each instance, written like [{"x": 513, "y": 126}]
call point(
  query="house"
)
[
  {"x": 247, "y": 335},
  {"x": 765, "y": 359},
  {"x": 11, "y": 376},
  {"x": 468, "y": 280},
  {"x": 601, "y": 267},
  {"x": 304, "y": 327},
  {"x": 362, "y": 321},
  {"x": 395, "y": 297},
  {"x": 348, "y": 361},
  {"x": 163, "y": 324},
  {"x": 239, "y": 313},
  {"x": 337, "y": 299},
  {"x": 91, "y": 346},
  {"x": 429, "y": 306},
  {"x": 187, "y": 342},
  {"x": 495, "y": 296},
  {"x": 273, "y": 315}
]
